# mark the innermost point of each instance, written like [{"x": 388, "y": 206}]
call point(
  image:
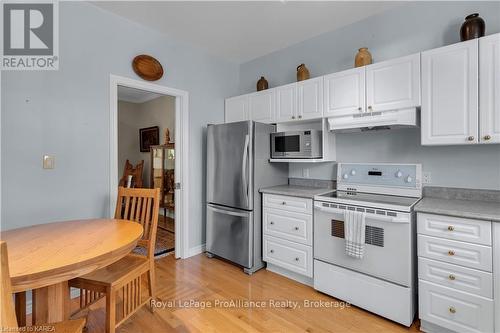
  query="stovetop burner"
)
[{"x": 369, "y": 200}]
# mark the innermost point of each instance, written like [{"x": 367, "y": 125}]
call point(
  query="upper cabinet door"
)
[
  {"x": 393, "y": 84},
  {"x": 236, "y": 109},
  {"x": 261, "y": 106},
  {"x": 450, "y": 94},
  {"x": 286, "y": 103},
  {"x": 489, "y": 93},
  {"x": 345, "y": 92},
  {"x": 310, "y": 98}
]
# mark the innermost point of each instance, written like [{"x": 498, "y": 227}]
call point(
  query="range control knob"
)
[
  {"x": 408, "y": 179},
  {"x": 399, "y": 174},
  {"x": 353, "y": 172},
  {"x": 345, "y": 176}
]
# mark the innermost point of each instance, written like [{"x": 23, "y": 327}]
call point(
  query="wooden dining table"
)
[{"x": 44, "y": 257}]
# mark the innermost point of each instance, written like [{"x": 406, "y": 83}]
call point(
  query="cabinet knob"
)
[
  {"x": 272, "y": 251},
  {"x": 487, "y": 137},
  {"x": 297, "y": 259},
  {"x": 300, "y": 117},
  {"x": 452, "y": 309},
  {"x": 451, "y": 228},
  {"x": 451, "y": 277},
  {"x": 283, "y": 203},
  {"x": 296, "y": 228},
  {"x": 369, "y": 107},
  {"x": 293, "y": 117},
  {"x": 271, "y": 222},
  {"x": 451, "y": 253},
  {"x": 470, "y": 138},
  {"x": 360, "y": 109}
]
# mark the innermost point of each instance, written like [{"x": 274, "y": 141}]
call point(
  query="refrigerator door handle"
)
[
  {"x": 244, "y": 166},
  {"x": 227, "y": 211}
]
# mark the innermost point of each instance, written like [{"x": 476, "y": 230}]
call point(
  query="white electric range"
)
[{"x": 383, "y": 281}]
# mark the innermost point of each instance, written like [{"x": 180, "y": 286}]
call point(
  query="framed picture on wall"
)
[{"x": 149, "y": 136}]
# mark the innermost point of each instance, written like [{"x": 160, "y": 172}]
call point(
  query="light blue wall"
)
[
  {"x": 68, "y": 115},
  {"x": 407, "y": 29}
]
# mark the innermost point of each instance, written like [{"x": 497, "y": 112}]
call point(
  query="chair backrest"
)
[
  {"x": 135, "y": 172},
  {"x": 7, "y": 312},
  {"x": 142, "y": 206}
]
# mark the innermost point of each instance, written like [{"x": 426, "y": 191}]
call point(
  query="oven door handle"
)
[{"x": 383, "y": 218}]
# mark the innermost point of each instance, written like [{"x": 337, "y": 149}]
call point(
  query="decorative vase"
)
[
  {"x": 262, "y": 84},
  {"x": 473, "y": 27},
  {"x": 363, "y": 57},
  {"x": 302, "y": 72}
]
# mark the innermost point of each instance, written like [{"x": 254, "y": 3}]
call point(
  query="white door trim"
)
[{"x": 181, "y": 152}]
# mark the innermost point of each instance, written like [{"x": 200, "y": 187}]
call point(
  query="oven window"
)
[{"x": 283, "y": 144}]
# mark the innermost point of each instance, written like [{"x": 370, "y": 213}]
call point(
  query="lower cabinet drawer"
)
[
  {"x": 457, "y": 277},
  {"x": 294, "y": 227},
  {"x": 455, "y": 252},
  {"x": 465, "y": 230},
  {"x": 288, "y": 203},
  {"x": 289, "y": 255},
  {"x": 455, "y": 310}
]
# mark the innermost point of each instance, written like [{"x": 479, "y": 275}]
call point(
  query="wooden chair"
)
[
  {"x": 8, "y": 321},
  {"x": 135, "y": 172},
  {"x": 122, "y": 280}
]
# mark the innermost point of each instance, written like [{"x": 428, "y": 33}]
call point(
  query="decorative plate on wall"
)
[{"x": 147, "y": 67}]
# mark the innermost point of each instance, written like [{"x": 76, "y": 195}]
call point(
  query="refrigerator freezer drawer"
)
[{"x": 229, "y": 234}]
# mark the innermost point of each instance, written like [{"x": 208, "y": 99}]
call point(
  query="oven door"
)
[
  {"x": 388, "y": 243},
  {"x": 288, "y": 145}
]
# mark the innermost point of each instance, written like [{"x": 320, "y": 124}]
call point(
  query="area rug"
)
[{"x": 165, "y": 243}]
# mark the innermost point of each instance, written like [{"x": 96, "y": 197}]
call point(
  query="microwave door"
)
[{"x": 287, "y": 145}]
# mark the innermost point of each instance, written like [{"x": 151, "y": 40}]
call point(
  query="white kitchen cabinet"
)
[
  {"x": 261, "y": 106},
  {"x": 454, "y": 310},
  {"x": 344, "y": 92},
  {"x": 489, "y": 89},
  {"x": 286, "y": 103},
  {"x": 393, "y": 84},
  {"x": 457, "y": 271},
  {"x": 450, "y": 94},
  {"x": 292, "y": 256},
  {"x": 310, "y": 99},
  {"x": 287, "y": 236},
  {"x": 236, "y": 109}
]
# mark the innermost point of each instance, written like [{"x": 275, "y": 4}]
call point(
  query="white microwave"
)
[{"x": 297, "y": 144}]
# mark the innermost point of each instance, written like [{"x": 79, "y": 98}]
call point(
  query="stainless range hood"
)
[{"x": 375, "y": 120}]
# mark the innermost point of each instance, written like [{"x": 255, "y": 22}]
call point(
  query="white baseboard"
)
[{"x": 195, "y": 250}]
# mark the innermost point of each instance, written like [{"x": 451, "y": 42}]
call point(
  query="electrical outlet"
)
[
  {"x": 305, "y": 172},
  {"x": 427, "y": 179},
  {"x": 48, "y": 162}
]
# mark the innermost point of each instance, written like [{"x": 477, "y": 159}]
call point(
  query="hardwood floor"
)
[{"x": 211, "y": 280}]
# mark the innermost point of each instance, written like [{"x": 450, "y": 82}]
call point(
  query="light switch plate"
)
[
  {"x": 48, "y": 162},
  {"x": 427, "y": 179},
  {"x": 305, "y": 172}
]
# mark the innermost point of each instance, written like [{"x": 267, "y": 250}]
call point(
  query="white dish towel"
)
[{"x": 354, "y": 233}]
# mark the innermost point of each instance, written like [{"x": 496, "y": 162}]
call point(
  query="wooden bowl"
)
[{"x": 147, "y": 67}]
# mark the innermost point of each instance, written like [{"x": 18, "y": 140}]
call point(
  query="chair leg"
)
[
  {"x": 110, "y": 310},
  {"x": 20, "y": 300},
  {"x": 151, "y": 285}
]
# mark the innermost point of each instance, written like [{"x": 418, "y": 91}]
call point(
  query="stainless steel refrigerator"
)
[{"x": 237, "y": 167}]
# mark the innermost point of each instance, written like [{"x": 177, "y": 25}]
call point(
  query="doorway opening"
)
[
  {"x": 146, "y": 153},
  {"x": 148, "y": 150}
]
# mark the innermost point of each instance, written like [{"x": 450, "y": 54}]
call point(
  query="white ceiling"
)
[
  {"x": 133, "y": 95},
  {"x": 242, "y": 31}
]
